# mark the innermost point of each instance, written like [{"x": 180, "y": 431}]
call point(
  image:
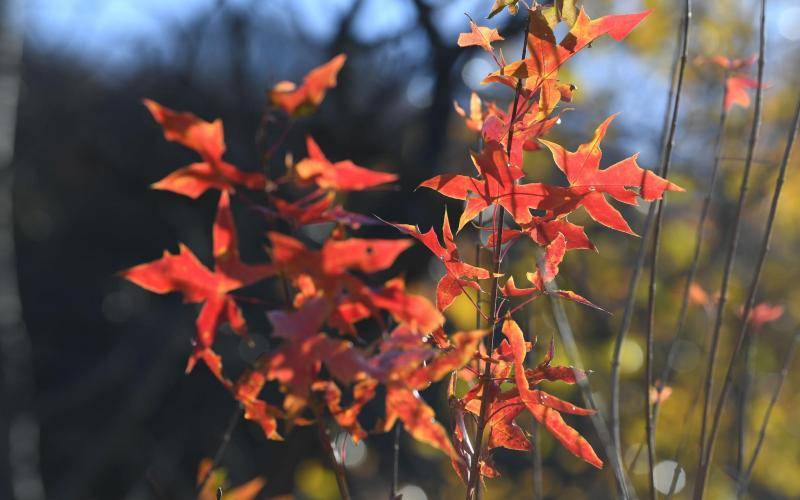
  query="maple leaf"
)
[
  {"x": 414, "y": 311},
  {"x": 736, "y": 88},
  {"x": 547, "y": 272},
  {"x": 560, "y": 10},
  {"x": 347, "y": 418},
  {"x": 763, "y": 313},
  {"x": 727, "y": 63},
  {"x": 335, "y": 258},
  {"x": 497, "y": 186},
  {"x": 246, "y": 391},
  {"x": 297, "y": 362},
  {"x": 316, "y": 208},
  {"x": 736, "y": 85},
  {"x": 526, "y": 130},
  {"x": 504, "y": 431},
  {"x": 327, "y": 271},
  {"x": 547, "y": 56},
  {"x": 697, "y": 295},
  {"x": 338, "y": 176},
  {"x": 452, "y": 284},
  {"x": 543, "y": 231},
  {"x": 659, "y": 393},
  {"x": 418, "y": 419},
  {"x": 207, "y": 139},
  {"x": 474, "y": 119},
  {"x": 545, "y": 408},
  {"x": 184, "y": 273},
  {"x": 479, "y": 36},
  {"x": 588, "y": 184},
  {"x": 304, "y": 100}
]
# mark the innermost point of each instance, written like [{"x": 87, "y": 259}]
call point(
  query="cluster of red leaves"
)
[
  {"x": 321, "y": 362},
  {"x": 343, "y": 334},
  {"x": 505, "y": 389}
]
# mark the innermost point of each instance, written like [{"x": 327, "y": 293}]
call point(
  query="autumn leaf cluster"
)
[{"x": 344, "y": 338}]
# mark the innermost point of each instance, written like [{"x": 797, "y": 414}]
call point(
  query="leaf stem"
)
[
  {"x": 474, "y": 478},
  {"x": 660, "y": 204},
  {"x": 233, "y": 420},
  {"x": 325, "y": 441}
]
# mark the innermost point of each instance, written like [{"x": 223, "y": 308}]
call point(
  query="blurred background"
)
[{"x": 96, "y": 404}]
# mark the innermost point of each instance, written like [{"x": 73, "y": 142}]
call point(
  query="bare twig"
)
[
  {"x": 744, "y": 480},
  {"x": 651, "y": 302},
  {"x": 223, "y": 445},
  {"x": 707, "y": 448},
  {"x": 762, "y": 256},
  {"x": 325, "y": 441},
  {"x": 666, "y": 371},
  {"x": 398, "y": 432}
]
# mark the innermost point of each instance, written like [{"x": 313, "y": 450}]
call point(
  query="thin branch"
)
[
  {"x": 787, "y": 363},
  {"x": 762, "y": 256},
  {"x": 474, "y": 482},
  {"x": 537, "y": 464},
  {"x": 741, "y": 405},
  {"x": 707, "y": 448},
  {"x": 651, "y": 301},
  {"x": 641, "y": 254},
  {"x": 666, "y": 371},
  {"x": 233, "y": 420},
  {"x": 325, "y": 441},
  {"x": 398, "y": 432}
]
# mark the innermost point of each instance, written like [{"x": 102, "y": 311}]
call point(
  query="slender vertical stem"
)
[
  {"x": 762, "y": 256},
  {"x": 325, "y": 441},
  {"x": 398, "y": 432},
  {"x": 744, "y": 480},
  {"x": 537, "y": 464},
  {"x": 641, "y": 254},
  {"x": 651, "y": 303},
  {"x": 746, "y": 378},
  {"x": 474, "y": 485},
  {"x": 233, "y": 420},
  {"x": 666, "y": 372},
  {"x": 707, "y": 447}
]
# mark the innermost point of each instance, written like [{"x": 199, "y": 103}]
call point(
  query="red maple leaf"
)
[
  {"x": 459, "y": 275},
  {"x": 297, "y": 362},
  {"x": 207, "y": 139},
  {"x": 184, "y": 273},
  {"x": 304, "y": 100},
  {"x": 339, "y": 176},
  {"x": 547, "y": 56},
  {"x": 403, "y": 400},
  {"x": 544, "y": 407},
  {"x": 479, "y": 36},
  {"x": 736, "y": 88},
  {"x": 498, "y": 185},
  {"x": 624, "y": 181}
]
